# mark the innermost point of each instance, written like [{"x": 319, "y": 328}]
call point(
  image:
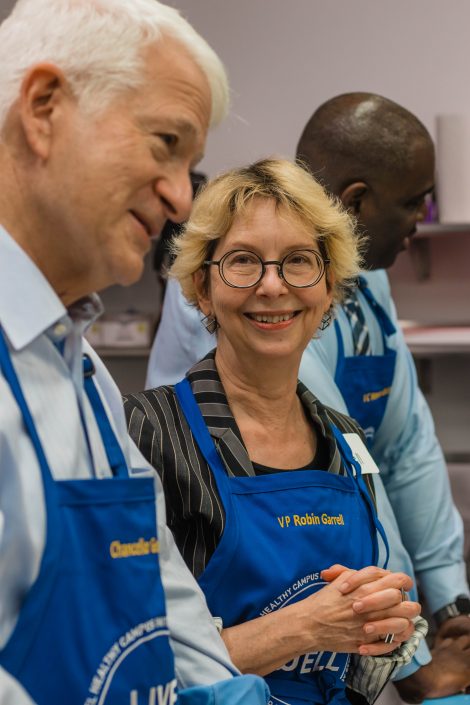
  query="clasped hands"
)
[{"x": 357, "y": 609}]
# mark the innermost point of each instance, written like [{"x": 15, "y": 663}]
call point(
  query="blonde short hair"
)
[{"x": 296, "y": 194}]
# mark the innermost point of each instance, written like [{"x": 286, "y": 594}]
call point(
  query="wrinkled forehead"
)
[{"x": 244, "y": 216}]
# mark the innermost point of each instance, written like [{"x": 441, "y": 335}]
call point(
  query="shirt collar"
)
[
  {"x": 29, "y": 306},
  {"x": 205, "y": 372},
  {"x": 213, "y": 404}
]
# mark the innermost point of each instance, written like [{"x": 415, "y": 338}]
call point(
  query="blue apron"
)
[
  {"x": 255, "y": 570},
  {"x": 92, "y": 629},
  {"x": 365, "y": 381}
]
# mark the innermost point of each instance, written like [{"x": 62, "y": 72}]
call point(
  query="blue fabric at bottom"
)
[
  {"x": 234, "y": 691},
  {"x": 451, "y": 700}
]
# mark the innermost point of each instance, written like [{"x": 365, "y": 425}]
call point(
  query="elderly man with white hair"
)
[{"x": 104, "y": 108}]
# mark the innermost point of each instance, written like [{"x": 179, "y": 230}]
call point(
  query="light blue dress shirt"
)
[
  {"x": 412, "y": 467},
  {"x": 406, "y": 450},
  {"x": 38, "y": 328}
]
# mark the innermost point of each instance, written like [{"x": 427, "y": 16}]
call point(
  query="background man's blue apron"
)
[{"x": 365, "y": 381}]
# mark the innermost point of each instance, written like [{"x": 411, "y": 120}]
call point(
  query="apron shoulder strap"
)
[
  {"x": 6, "y": 366},
  {"x": 384, "y": 319},
  {"x": 339, "y": 339},
  {"x": 352, "y": 465},
  {"x": 199, "y": 429},
  {"x": 116, "y": 459}
]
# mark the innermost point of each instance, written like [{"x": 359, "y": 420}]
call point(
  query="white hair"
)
[{"x": 98, "y": 45}]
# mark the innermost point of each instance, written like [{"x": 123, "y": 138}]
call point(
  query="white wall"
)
[{"x": 286, "y": 57}]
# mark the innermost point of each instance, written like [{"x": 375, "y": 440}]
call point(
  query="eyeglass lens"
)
[{"x": 300, "y": 268}]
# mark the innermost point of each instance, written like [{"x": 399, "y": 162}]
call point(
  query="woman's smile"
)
[{"x": 272, "y": 320}]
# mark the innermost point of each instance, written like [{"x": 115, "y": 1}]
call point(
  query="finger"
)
[
  {"x": 334, "y": 571},
  {"x": 404, "y": 611},
  {"x": 378, "y": 648},
  {"x": 398, "y": 581},
  {"x": 457, "y": 626},
  {"x": 446, "y": 643},
  {"x": 454, "y": 644},
  {"x": 387, "y": 599},
  {"x": 361, "y": 577},
  {"x": 400, "y": 637},
  {"x": 409, "y": 612},
  {"x": 392, "y": 625}
]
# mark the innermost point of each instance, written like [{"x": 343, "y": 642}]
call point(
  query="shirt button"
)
[{"x": 60, "y": 330}]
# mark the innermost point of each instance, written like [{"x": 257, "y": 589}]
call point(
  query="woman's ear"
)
[
  {"x": 330, "y": 280},
  {"x": 202, "y": 286}
]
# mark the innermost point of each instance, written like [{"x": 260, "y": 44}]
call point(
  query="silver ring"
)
[{"x": 390, "y": 637}]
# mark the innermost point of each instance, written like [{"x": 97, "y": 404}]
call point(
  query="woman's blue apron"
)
[
  {"x": 281, "y": 531},
  {"x": 365, "y": 381},
  {"x": 92, "y": 630}
]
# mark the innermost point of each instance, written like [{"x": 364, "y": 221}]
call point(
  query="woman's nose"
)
[{"x": 272, "y": 282}]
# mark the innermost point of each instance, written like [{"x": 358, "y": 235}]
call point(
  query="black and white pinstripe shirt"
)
[{"x": 194, "y": 511}]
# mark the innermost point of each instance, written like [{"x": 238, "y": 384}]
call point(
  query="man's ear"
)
[
  {"x": 202, "y": 290},
  {"x": 43, "y": 91},
  {"x": 353, "y": 196}
]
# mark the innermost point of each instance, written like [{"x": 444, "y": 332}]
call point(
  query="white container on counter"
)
[{"x": 453, "y": 168}]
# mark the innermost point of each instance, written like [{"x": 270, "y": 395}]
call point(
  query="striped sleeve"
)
[{"x": 195, "y": 514}]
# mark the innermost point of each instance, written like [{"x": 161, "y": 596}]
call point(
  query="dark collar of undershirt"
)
[{"x": 320, "y": 461}]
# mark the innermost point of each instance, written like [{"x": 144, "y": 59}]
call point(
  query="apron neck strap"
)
[
  {"x": 204, "y": 440},
  {"x": 352, "y": 466},
  {"x": 113, "y": 450},
  {"x": 116, "y": 459},
  {"x": 6, "y": 366},
  {"x": 339, "y": 339},
  {"x": 386, "y": 324}
]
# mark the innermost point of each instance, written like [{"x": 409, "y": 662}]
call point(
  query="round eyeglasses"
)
[{"x": 242, "y": 269}]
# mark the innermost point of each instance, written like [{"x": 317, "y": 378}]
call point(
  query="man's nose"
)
[
  {"x": 422, "y": 211},
  {"x": 176, "y": 194}
]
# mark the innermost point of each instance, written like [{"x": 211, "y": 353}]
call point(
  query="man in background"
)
[
  {"x": 104, "y": 109},
  {"x": 379, "y": 160}
]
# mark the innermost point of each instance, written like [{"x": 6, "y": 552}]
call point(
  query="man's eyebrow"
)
[
  {"x": 424, "y": 193},
  {"x": 182, "y": 126},
  {"x": 429, "y": 190}
]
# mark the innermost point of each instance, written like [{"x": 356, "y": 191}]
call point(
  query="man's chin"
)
[
  {"x": 406, "y": 243},
  {"x": 129, "y": 274},
  {"x": 133, "y": 277},
  {"x": 381, "y": 262},
  {"x": 391, "y": 260}
]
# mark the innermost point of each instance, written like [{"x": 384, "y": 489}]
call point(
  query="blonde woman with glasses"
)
[{"x": 271, "y": 510}]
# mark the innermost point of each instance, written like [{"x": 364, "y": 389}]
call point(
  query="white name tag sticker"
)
[{"x": 361, "y": 454}]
